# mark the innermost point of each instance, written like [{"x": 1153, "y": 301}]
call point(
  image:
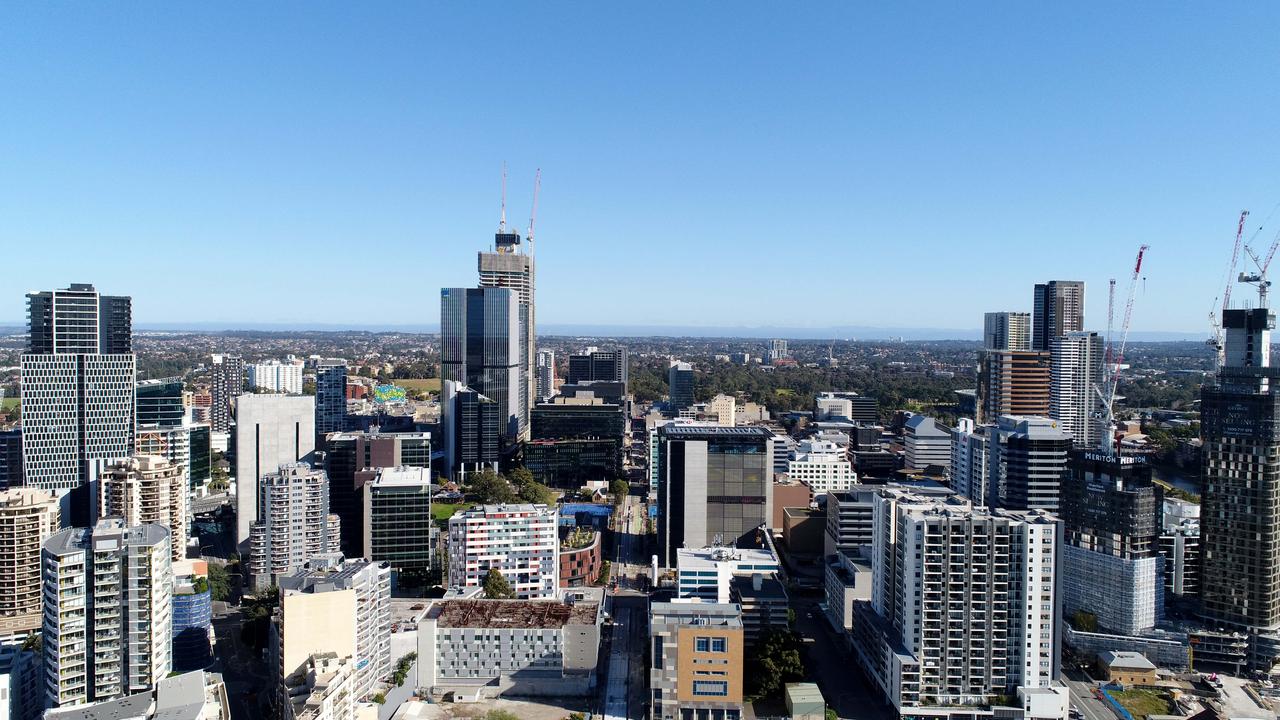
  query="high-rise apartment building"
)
[
  {"x": 271, "y": 430},
  {"x": 480, "y": 336},
  {"x": 28, "y": 517},
  {"x": 147, "y": 489},
  {"x": 1026, "y": 463},
  {"x": 714, "y": 483},
  {"x": 1110, "y": 555},
  {"x": 334, "y": 607},
  {"x": 927, "y": 443},
  {"x": 680, "y": 385},
  {"x": 331, "y": 396},
  {"x": 597, "y": 365},
  {"x": 964, "y": 604},
  {"x": 355, "y": 458},
  {"x": 519, "y": 541},
  {"x": 697, "y": 660},
  {"x": 1076, "y": 367},
  {"x": 1006, "y": 331},
  {"x": 275, "y": 376},
  {"x": 397, "y": 519},
  {"x": 78, "y": 378},
  {"x": 226, "y": 383},
  {"x": 546, "y": 375},
  {"x": 778, "y": 350},
  {"x": 293, "y": 524},
  {"x": 1058, "y": 308},
  {"x": 1013, "y": 382},
  {"x": 969, "y": 473},
  {"x": 108, "y": 612},
  {"x": 508, "y": 267},
  {"x": 1240, "y": 512}
]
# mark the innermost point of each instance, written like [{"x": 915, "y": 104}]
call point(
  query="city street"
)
[
  {"x": 833, "y": 669},
  {"x": 625, "y": 682},
  {"x": 244, "y": 674},
  {"x": 1082, "y": 696}
]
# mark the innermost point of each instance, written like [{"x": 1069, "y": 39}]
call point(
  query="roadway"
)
[
  {"x": 1082, "y": 697},
  {"x": 833, "y": 668},
  {"x": 625, "y": 680}
]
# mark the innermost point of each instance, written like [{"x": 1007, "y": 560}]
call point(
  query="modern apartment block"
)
[
  {"x": 1013, "y": 382},
  {"x": 969, "y": 460},
  {"x": 927, "y": 443},
  {"x": 78, "y": 380},
  {"x": 507, "y": 266},
  {"x": 1006, "y": 331},
  {"x": 1240, "y": 512},
  {"x": 1076, "y": 367},
  {"x": 325, "y": 689},
  {"x": 481, "y": 348},
  {"x": 1026, "y": 463},
  {"x": 107, "y": 612},
  {"x": 680, "y": 385},
  {"x": 1058, "y": 308},
  {"x": 293, "y": 525},
  {"x": 271, "y": 430},
  {"x": 696, "y": 661},
  {"x": 276, "y": 376},
  {"x": 519, "y": 541},
  {"x": 28, "y": 517},
  {"x": 849, "y": 527},
  {"x": 518, "y": 647},
  {"x": 162, "y": 428},
  {"x": 778, "y": 350},
  {"x": 714, "y": 486},
  {"x": 964, "y": 604},
  {"x": 331, "y": 396},
  {"x": 545, "y": 379},
  {"x": 823, "y": 466},
  {"x": 1111, "y": 566},
  {"x": 354, "y": 458},
  {"x": 147, "y": 489},
  {"x": 397, "y": 519},
  {"x": 226, "y": 383},
  {"x": 596, "y": 365},
  {"x": 333, "y": 606}
]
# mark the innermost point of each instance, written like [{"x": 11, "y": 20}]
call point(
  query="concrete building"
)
[
  {"x": 336, "y": 606},
  {"x": 472, "y": 425},
  {"x": 196, "y": 695},
  {"x": 846, "y": 405},
  {"x": 226, "y": 383},
  {"x": 294, "y": 524},
  {"x": 1240, "y": 521},
  {"x": 1006, "y": 331},
  {"x": 764, "y": 604},
  {"x": 1111, "y": 565},
  {"x": 964, "y": 604},
  {"x": 778, "y": 351},
  {"x": 481, "y": 348},
  {"x": 326, "y": 690},
  {"x": 275, "y": 376},
  {"x": 597, "y": 365},
  {"x": 1026, "y": 463},
  {"x": 508, "y": 267},
  {"x": 78, "y": 385},
  {"x": 788, "y": 493},
  {"x": 147, "y": 489},
  {"x": 1013, "y": 382},
  {"x": 477, "y": 648},
  {"x": 969, "y": 471},
  {"x": 714, "y": 482},
  {"x": 680, "y": 385},
  {"x": 822, "y": 466},
  {"x": 1057, "y": 309},
  {"x": 331, "y": 396},
  {"x": 271, "y": 430},
  {"x": 724, "y": 408},
  {"x": 124, "y": 646},
  {"x": 1076, "y": 366},
  {"x": 846, "y": 580},
  {"x": 520, "y": 541},
  {"x": 353, "y": 459},
  {"x": 397, "y": 519},
  {"x": 927, "y": 444},
  {"x": 546, "y": 375},
  {"x": 696, "y": 661},
  {"x": 28, "y": 518},
  {"x": 707, "y": 573}
]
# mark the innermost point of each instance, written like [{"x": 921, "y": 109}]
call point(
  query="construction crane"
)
[
  {"x": 533, "y": 214},
  {"x": 1111, "y": 313},
  {"x": 1106, "y": 390},
  {"x": 1259, "y": 278},
  {"x": 1215, "y": 317}
]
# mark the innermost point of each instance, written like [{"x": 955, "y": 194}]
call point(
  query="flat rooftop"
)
[
  {"x": 709, "y": 557},
  {"x": 403, "y": 476},
  {"x": 537, "y": 614}
]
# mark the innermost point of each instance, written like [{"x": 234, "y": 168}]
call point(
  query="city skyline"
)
[{"x": 681, "y": 164}]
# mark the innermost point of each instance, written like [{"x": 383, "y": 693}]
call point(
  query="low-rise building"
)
[
  {"x": 763, "y": 601},
  {"x": 803, "y": 531},
  {"x": 707, "y": 573},
  {"x": 520, "y": 647},
  {"x": 696, "y": 664},
  {"x": 196, "y": 695},
  {"x": 1126, "y": 668},
  {"x": 847, "y": 580},
  {"x": 823, "y": 466},
  {"x": 580, "y": 558}
]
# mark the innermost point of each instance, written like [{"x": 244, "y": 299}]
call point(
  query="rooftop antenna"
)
[
  {"x": 533, "y": 214},
  {"x": 502, "y": 224}
]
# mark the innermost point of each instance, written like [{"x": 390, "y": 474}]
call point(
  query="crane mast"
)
[
  {"x": 1215, "y": 315},
  {"x": 1115, "y": 356}
]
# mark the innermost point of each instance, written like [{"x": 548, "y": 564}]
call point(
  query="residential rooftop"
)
[{"x": 498, "y": 614}]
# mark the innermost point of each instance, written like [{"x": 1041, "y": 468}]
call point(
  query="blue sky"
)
[{"x": 703, "y": 163}]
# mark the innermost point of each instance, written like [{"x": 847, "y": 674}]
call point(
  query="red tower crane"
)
[{"x": 1106, "y": 390}]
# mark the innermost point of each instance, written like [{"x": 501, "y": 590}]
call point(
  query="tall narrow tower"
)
[{"x": 509, "y": 265}]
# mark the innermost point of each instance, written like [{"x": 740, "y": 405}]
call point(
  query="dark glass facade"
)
[
  {"x": 201, "y": 455},
  {"x": 569, "y": 463},
  {"x": 1110, "y": 505},
  {"x": 159, "y": 402}
]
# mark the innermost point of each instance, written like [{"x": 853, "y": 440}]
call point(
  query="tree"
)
[
  {"x": 774, "y": 663},
  {"x": 619, "y": 489},
  {"x": 1084, "y": 621},
  {"x": 490, "y": 487},
  {"x": 500, "y": 715},
  {"x": 520, "y": 477},
  {"x": 496, "y": 586},
  {"x": 831, "y": 715},
  {"x": 219, "y": 582}
]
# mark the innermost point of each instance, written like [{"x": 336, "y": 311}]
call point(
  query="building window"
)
[
  {"x": 702, "y": 644},
  {"x": 710, "y": 688},
  {"x": 717, "y": 645}
]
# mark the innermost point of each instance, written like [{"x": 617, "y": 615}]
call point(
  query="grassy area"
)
[
  {"x": 425, "y": 384},
  {"x": 9, "y": 402},
  {"x": 1142, "y": 702},
  {"x": 441, "y": 512}
]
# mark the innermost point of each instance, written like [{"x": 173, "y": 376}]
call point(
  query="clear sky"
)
[{"x": 703, "y": 163}]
